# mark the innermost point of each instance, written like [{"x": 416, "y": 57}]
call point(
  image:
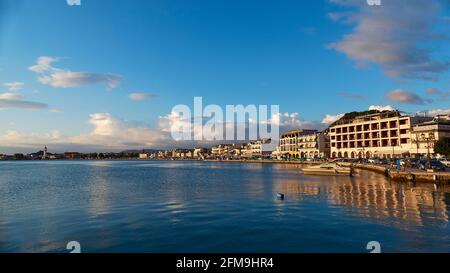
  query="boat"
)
[{"x": 328, "y": 169}]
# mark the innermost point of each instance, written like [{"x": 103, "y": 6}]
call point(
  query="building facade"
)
[
  {"x": 304, "y": 144},
  {"x": 222, "y": 150},
  {"x": 424, "y": 135},
  {"x": 385, "y": 135}
]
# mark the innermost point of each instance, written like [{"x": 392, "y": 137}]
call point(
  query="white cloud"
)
[
  {"x": 56, "y": 110},
  {"x": 381, "y": 108},
  {"x": 115, "y": 133},
  {"x": 64, "y": 78},
  {"x": 43, "y": 64},
  {"x": 108, "y": 133},
  {"x": 288, "y": 121},
  {"x": 10, "y": 96},
  {"x": 15, "y": 139},
  {"x": 141, "y": 96},
  {"x": 436, "y": 112},
  {"x": 329, "y": 119},
  {"x": 14, "y": 86},
  {"x": 393, "y": 36}
]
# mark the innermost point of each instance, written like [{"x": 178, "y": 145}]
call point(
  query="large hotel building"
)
[
  {"x": 304, "y": 144},
  {"x": 385, "y": 134}
]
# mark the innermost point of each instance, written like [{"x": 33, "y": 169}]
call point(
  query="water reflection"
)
[
  {"x": 98, "y": 188},
  {"x": 372, "y": 196}
]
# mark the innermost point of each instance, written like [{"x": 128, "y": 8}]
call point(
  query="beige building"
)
[
  {"x": 425, "y": 134},
  {"x": 304, "y": 144},
  {"x": 384, "y": 134},
  {"x": 200, "y": 152},
  {"x": 222, "y": 150}
]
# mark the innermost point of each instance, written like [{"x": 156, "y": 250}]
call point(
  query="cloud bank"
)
[{"x": 393, "y": 35}]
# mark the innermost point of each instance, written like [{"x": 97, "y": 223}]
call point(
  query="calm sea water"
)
[{"x": 144, "y": 206}]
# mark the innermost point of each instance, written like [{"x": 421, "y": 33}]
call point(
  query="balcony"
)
[{"x": 393, "y": 124}]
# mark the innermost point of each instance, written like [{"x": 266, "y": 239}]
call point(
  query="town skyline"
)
[{"x": 109, "y": 84}]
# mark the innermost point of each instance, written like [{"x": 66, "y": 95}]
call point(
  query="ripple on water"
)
[{"x": 137, "y": 206}]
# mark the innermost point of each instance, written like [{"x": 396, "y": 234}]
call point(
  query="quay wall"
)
[{"x": 399, "y": 176}]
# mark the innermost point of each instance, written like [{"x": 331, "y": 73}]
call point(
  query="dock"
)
[{"x": 409, "y": 175}]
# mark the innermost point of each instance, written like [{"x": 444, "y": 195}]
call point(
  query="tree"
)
[{"x": 442, "y": 147}]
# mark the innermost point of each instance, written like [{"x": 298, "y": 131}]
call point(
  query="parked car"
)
[
  {"x": 438, "y": 165},
  {"x": 445, "y": 161}
]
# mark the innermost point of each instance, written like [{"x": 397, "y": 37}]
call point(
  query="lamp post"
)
[
  {"x": 428, "y": 139},
  {"x": 417, "y": 144}
]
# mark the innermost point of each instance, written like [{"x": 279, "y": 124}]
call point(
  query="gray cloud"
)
[
  {"x": 404, "y": 96},
  {"x": 62, "y": 78},
  {"x": 442, "y": 95},
  {"x": 68, "y": 79},
  {"x": 141, "y": 96},
  {"x": 21, "y": 104},
  {"x": 10, "y": 100},
  {"x": 390, "y": 36}
]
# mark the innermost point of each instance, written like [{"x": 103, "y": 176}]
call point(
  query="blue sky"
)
[{"x": 313, "y": 58}]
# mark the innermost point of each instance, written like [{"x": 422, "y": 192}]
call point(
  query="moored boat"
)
[{"x": 328, "y": 169}]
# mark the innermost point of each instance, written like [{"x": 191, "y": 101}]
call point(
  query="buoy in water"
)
[{"x": 280, "y": 196}]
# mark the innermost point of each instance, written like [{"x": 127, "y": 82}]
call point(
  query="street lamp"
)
[
  {"x": 428, "y": 139},
  {"x": 417, "y": 144}
]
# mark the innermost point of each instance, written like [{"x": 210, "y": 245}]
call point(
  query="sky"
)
[{"x": 105, "y": 75}]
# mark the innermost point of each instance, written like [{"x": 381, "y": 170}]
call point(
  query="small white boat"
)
[{"x": 328, "y": 169}]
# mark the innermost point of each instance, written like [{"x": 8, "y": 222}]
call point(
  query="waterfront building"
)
[
  {"x": 383, "y": 134},
  {"x": 222, "y": 150},
  {"x": 425, "y": 134},
  {"x": 183, "y": 153},
  {"x": 19, "y": 156},
  {"x": 276, "y": 154},
  {"x": 303, "y": 144},
  {"x": 201, "y": 152},
  {"x": 72, "y": 155},
  {"x": 239, "y": 150},
  {"x": 256, "y": 149}
]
